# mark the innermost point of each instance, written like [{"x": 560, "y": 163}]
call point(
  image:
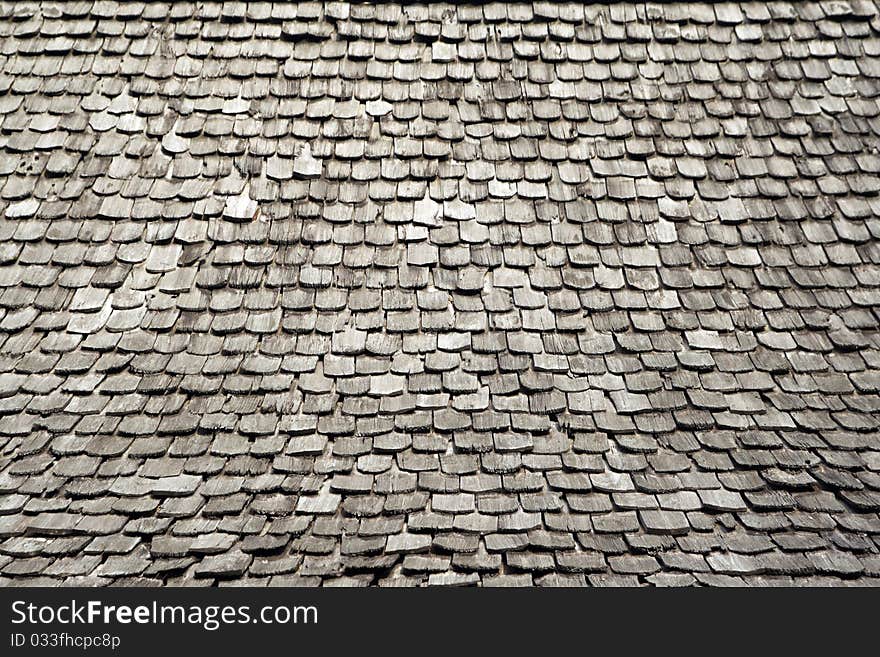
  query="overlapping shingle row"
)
[{"x": 503, "y": 293}]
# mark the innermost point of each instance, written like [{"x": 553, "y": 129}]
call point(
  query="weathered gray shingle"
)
[{"x": 501, "y": 294}]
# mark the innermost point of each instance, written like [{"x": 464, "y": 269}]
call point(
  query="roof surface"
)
[{"x": 504, "y": 294}]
